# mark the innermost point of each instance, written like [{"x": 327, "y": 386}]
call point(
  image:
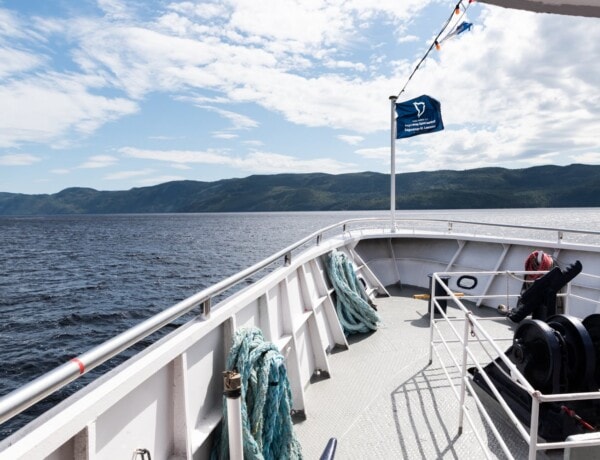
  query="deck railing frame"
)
[
  {"x": 24, "y": 397},
  {"x": 471, "y": 325}
]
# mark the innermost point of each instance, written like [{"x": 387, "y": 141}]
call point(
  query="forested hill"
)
[{"x": 542, "y": 186}]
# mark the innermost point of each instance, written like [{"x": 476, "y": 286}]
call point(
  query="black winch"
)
[{"x": 556, "y": 356}]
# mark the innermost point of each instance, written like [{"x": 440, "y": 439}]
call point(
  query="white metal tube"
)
[
  {"x": 533, "y": 425},
  {"x": 463, "y": 373},
  {"x": 393, "y": 163},
  {"x": 232, "y": 383},
  {"x": 234, "y": 427}
]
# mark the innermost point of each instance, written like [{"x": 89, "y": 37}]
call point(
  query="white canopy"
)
[{"x": 570, "y": 7}]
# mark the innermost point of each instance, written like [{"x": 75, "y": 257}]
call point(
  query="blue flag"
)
[{"x": 420, "y": 115}]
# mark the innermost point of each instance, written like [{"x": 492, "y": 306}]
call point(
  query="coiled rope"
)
[
  {"x": 266, "y": 400},
  {"x": 352, "y": 303}
]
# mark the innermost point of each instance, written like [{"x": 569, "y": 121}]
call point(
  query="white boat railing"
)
[
  {"x": 24, "y": 397},
  {"x": 474, "y": 338}
]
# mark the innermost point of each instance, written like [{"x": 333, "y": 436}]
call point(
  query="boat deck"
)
[{"x": 385, "y": 401}]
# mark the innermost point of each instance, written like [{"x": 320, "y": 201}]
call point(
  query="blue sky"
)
[{"x": 114, "y": 94}]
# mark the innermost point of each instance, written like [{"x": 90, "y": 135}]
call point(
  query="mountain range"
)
[{"x": 575, "y": 185}]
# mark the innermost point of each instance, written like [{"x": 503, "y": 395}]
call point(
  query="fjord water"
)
[{"x": 68, "y": 283}]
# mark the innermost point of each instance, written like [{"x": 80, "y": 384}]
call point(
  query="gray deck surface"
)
[{"x": 383, "y": 400}]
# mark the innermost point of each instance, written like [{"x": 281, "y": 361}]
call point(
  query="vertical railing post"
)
[
  {"x": 463, "y": 373},
  {"x": 232, "y": 382},
  {"x": 393, "y": 163},
  {"x": 431, "y": 316},
  {"x": 533, "y": 430},
  {"x": 206, "y": 307}
]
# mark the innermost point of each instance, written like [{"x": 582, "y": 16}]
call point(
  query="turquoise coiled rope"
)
[
  {"x": 352, "y": 303},
  {"x": 266, "y": 400}
]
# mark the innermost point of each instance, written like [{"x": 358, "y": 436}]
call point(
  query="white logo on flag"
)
[{"x": 420, "y": 107}]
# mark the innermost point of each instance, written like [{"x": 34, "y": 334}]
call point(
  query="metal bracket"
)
[{"x": 206, "y": 307}]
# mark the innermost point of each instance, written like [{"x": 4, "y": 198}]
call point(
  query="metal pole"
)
[
  {"x": 233, "y": 392},
  {"x": 463, "y": 373},
  {"x": 393, "y": 163},
  {"x": 534, "y": 423}
]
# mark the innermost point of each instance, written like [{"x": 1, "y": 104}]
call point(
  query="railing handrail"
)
[
  {"x": 20, "y": 399},
  {"x": 492, "y": 224},
  {"x": 472, "y": 324}
]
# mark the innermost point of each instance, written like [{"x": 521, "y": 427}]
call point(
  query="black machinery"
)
[{"x": 558, "y": 355}]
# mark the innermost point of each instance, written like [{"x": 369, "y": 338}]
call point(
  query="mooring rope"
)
[
  {"x": 266, "y": 400},
  {"x": 352, "y": 303}
]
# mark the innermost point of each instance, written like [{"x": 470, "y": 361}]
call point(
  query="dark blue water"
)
[{"x": 68, "y": 283}]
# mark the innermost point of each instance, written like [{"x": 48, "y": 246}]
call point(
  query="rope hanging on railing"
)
[
  {"x": 266, "y": 400},
  {"x": 352, "y": 304}
]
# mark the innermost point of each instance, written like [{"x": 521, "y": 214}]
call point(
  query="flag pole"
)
[{"x": 393, "y": 164}]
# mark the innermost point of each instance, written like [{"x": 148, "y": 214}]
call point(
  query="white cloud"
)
[
  {"x": 180, "y": 166},
  {"x": 144, "y": 60},
  {"x": 239, "y": 58},
  {"x": 99, "y": 161},
  {"x": 178, "y": 156},
  {"x": 13, "y": 61},
  {"x": 587, "y": 158},
  {"x": 47, "y": 110},
  {"x": 408, "y": 39},
  {"x": 115, "y": 9},
  {"x": 223, "y": 135},
  {"x": 376, "y": 153},
  {"x": 10, "y": 25},
  {"x": 18, "y": 159},
  {"x": 202, "y": 10},
  {"x": 508, "y": 95},
  {"x": 263, "y": 162},
  {"x": 352, "y": 140},
  {"x": 238, "y": 120},
  {"x": 272, "y": 163},
  {"x": 517, "y": 96},
  {"x": 333, "y": 64}
]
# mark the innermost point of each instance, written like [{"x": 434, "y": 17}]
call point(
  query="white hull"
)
[{"x": 168, "y": 398}]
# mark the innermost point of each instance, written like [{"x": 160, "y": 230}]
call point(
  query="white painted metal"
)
[
  {"x": 469, "y": 349},
  {"x": 497, "y": 266},
  {"x": 393, "y": 162},
  {"x": 234, "y": 427},
  {"x": 36, "y": 390},
  {"x": 168, "y": 398},
  {"x": 568, "y": 7}
]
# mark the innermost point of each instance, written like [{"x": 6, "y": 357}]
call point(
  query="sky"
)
[{"x": 114, "y": 94}]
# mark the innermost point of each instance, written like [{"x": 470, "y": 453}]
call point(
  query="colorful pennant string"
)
[{"x": 463, "y": 26}]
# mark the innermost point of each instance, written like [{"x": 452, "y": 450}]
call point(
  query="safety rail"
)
[
  {"x": 474, "y": 333},
  {"x": 17, "y": 401},
  {"x": 24, "y": 397}
]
